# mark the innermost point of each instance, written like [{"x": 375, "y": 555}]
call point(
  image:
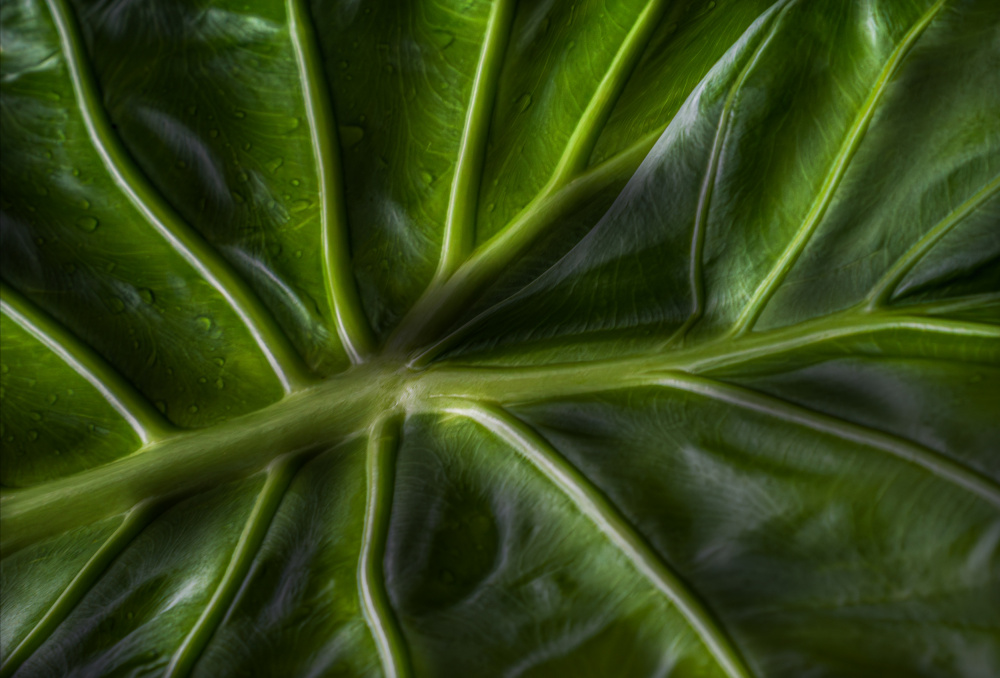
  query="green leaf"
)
[{"x": 433, "y": 338}]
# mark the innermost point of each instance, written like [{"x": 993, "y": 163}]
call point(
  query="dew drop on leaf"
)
[{"x": 523, "y": 103}]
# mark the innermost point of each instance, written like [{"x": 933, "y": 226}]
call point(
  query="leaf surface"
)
[{"x": 641, "y": 338}]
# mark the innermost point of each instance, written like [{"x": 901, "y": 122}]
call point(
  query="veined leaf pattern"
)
[{"x": 503, "y": 338}]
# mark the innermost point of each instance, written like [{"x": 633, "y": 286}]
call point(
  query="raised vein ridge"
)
[
  {"x": 132, "y": 524},
  {"x": 884, "y": 289},
  {"x": 342, "y": 292},
  {"x": 460, "y": 220},
  {"x": 144, "y": 419},
  {"x": 382, "y": 443},
  {"x": 708, "y": 186},
  {"x": 280, "y": 354},
  {"x": 609, "y": 520},
  {"x": 938, "y": 464},
  {"x": 766, "y": 289},
  {"x": 279, "y": 476}
]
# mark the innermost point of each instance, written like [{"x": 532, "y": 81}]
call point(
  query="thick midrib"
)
[{"x": 344, "y": 406}]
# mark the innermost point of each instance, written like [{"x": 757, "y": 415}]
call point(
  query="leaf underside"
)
[{"x": 440, "y": 338}]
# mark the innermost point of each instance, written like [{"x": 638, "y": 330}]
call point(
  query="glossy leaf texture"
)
[{"x": 497, "y": 338}]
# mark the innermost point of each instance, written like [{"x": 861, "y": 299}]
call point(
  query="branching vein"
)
[
  {"x": 144, "y": 419},
  {"x": 371, "y": 580},
  {"x": 777, "y": 274},
  {"x": 609, "y": 520},
  {"x": 460, "y": 221},
  {"x": 281, "y": 355},
  {"x": 351, "y": 323},
  {"x": 279, "y": 476},
  {"x": 132, "y": 524},
  {"x": 935, "y": 462},
  {"x": 886, "y": 286}
]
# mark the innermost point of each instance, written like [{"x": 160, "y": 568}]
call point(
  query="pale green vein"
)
[
  {"x": 382, "y": 443},
  {"x": 933, "y": 461},
  {"x": 280, "y": 354},
  {"x": 766, "y": 289},
  {"x": 883, "y": 290},
  {"x": 591, "y": 123},
  {"x": 279, "y": 476},
  {"x": 132, "y": 524},
  {"x": 440, "y": 303},
  {"x": 144, "y": 419},
  {"x": 460, "y": 221},
  {"x": 609, "y": 520},
  {"x": 708, "y": 185},
  {"x": 342, "y": 293},
  {"x": 517, "y": 384}
]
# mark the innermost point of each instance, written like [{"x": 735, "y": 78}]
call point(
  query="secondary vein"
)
[
  {"x": 382, "y": 443},
  {"x": 132, "y": 524},
  {"x": 883, "y": 290},
  {"x": 280, "y": 354},
  {"x": 695, "y": 277},
  {"x": 610, "y": 521},
  {"x": 342, "y": 293},
  {"x": 144, "y": 419},
  {"x": 460, "y": 220},
  {"x": 766, "y": 289},
  {"x": 279, "y": 476},
  {"x": 935, "y": 462}
]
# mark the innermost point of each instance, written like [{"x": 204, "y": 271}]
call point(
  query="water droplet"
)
[
  {"x": 161, "y": 406},
  {"x": 492, "y": 206},
  {"x": 219, "y": 362},
  {"x": 147, "y": 295},
  {"x": 351, "y": 135},
  {"x": 129, "y": 615},
  {"x": 239, "y": 114},
  {"x": 32, "y": 435},
  {"x": 299, "y": 205},
  {"x": 523, "y": 103},
  {"x": 75, "y": 172},
  {"x": 193, "y": 409},
  {"x": 291, "y": 125},
  {"x": 243, "y": 176},
  {"x": 36, "y": 416},
  {"x": 247, "y": 145},
  {"x": 238, "y": 197},
  {"x": 295, "y": 182},
  {"x": 219, "y": 384},
  {"x": 202, "y": 380},
  {"x": 298, "y": 254},
  {"x": 203, "y": 322},
  {"x": 273, "y": 164},
  {"x": 85, "y": 204},
  {"x": 116, "y": 305},
  {"x": 88, "y": 224},
  {"x": 53, "y": 397},
  {"x": 427, "y": 177}
]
